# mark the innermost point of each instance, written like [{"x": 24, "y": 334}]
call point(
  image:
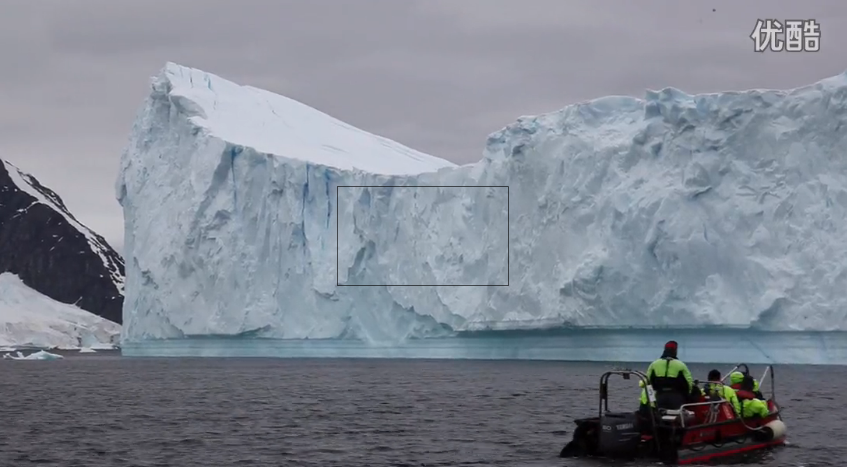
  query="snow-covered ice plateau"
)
[{"x": 250, "y": 214}]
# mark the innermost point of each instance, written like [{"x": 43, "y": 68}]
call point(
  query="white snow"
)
[
  {"x": 39, "y": 355},
  {"x": 91, "y": 348},
  {"x": 28, "y": 318},
  {"x": 273, "y": 124},
  {"x": 25, "y": 182},
  {"x": 723, "y": 209},
  {"x": 103, "y": 346}
]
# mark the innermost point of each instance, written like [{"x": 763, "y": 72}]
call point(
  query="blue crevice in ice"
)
[
  {"x": 328, "y": 180},
  {"x": 305, "y": 196},
  {"x": 234, "y": 151}
]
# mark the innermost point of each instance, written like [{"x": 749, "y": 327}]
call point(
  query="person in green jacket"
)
[
  {"x": 749, "y": 407},
  {"x": 736, "y": 379},
  {"x": 754, "y": 407},
  {"x": 714, "y": 388},
  {"x": 670, "y": 379},
  {"x": 644, "y": 403}
]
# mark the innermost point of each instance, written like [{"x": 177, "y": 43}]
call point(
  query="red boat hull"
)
[
  {"x": 722, "y": 440},
  {"x": 726, "y": 437},
  {"x": 726, "y": 451}
]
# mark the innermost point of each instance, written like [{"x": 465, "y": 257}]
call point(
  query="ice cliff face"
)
[
  {"x": 48, "y": 249},
  {"x": 677, "y": 210}
]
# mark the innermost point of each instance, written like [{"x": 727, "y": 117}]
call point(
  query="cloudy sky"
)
[{"x": 438, "y": 76}]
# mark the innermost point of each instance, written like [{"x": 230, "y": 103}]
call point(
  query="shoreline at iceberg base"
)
[
  {"x": 728, "y": 346},
  {"x": 725, "y": 209}
]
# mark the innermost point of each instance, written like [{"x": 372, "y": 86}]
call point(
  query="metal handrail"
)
[
  {"x": 768, "y": 371},
  {"x": 604, "y": 401},
  {"x": 651, "y": 396},
  {"x": 697, "y": 404}
]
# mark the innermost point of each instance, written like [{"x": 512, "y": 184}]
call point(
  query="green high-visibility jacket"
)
[
  {"x": 669, "y": 368},
  {"x": 718, "y": 389},
  {"x": 751, "y": 407}
]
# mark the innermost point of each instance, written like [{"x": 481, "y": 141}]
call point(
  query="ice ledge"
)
[
  {"x": 696, "y": 346},
  {"x": 273, "y": 124}
]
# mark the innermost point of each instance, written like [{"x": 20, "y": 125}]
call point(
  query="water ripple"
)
[{"x": 105, "y": 411}]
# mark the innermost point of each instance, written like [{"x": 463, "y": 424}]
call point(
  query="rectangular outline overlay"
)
[{"x": 337, "y": 230}]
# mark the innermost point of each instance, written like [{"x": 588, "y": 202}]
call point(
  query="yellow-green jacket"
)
[
  {"x": 725, "y": 392},
  {"x": 750, "y": 407},
  {"x": 737, "y": 377},
  {"x": 644, "y": 398},
  {"x": 669, "y": 371}
]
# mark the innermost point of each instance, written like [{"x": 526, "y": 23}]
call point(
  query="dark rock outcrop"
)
[{"x": 52, "y": 252}]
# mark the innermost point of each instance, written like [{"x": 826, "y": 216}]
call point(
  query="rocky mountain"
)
[{"x": 53, "y": 253}]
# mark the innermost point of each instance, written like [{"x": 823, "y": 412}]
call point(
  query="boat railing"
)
[
  {"x": 627, "y": 375},
  {"x": 714, "y": 405},
  {"x": 769, "y": 371}
]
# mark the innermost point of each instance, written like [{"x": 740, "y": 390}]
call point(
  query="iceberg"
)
[
  {"x": 249, "y": 215},
  {"x": 32, "y": 320}
]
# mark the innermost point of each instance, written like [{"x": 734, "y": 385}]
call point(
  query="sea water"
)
[{"x": 105, "y": 411}]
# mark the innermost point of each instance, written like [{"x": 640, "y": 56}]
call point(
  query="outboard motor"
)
[{"x": 620, "y": 434}]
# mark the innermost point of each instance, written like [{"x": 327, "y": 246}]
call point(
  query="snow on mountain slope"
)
[
  {"x": 28, "y": 318},
  {"x": 52, "y": 252},
  {"x": 720, "y": 209},
  {"x": 28, "y": 184}
]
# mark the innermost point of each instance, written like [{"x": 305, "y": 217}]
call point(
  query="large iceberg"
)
[{"x": 250, "y": 214}]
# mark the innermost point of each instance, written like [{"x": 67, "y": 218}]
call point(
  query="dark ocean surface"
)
[{"x": 105, "y": 410}]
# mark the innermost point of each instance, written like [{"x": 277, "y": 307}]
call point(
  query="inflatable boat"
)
[{"x": 708, "y": 430}]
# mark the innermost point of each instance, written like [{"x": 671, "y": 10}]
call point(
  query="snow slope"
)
[
  {"x": 28, "y": 318},
  {"x": 723, "y": 209},
  {"x": 28, "y": 184}
]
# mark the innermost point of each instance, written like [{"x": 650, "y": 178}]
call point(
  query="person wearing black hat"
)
[
  {"x": 714, "y": 389},
  {"x": 670, "y": 378}
]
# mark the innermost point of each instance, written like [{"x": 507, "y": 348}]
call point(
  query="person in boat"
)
[
  {"x": 714, "y": 389},
  {"x": 737, "y": 380},
  {"x": 671, "y": 379},
  {"x": 747, "y": 392},
  {"x": 644, "y": 406}
]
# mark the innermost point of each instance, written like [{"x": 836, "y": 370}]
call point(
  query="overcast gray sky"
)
[{"x": 438, "y": 76}]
